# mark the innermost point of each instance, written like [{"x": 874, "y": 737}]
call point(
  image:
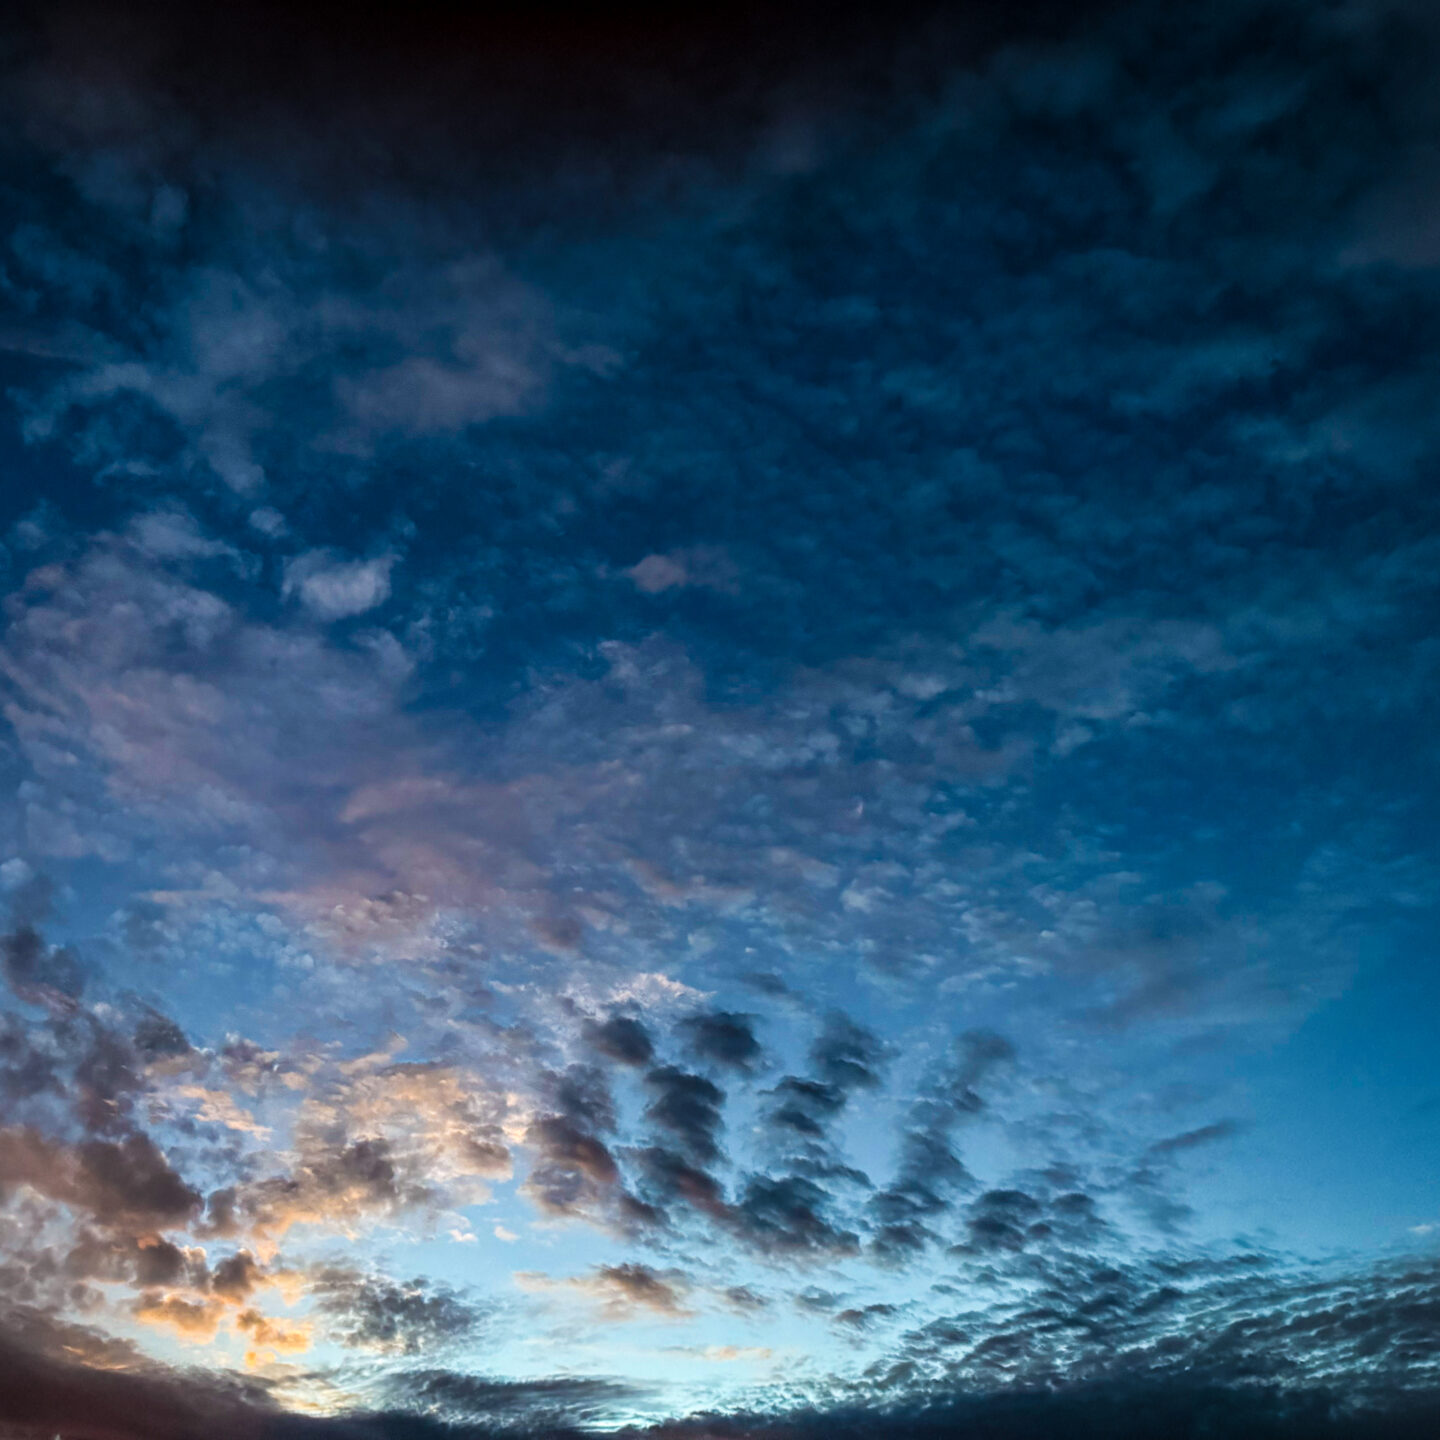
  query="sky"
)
[{"x": 720, "y": 723}]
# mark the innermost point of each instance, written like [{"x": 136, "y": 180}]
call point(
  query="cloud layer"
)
[{"x": 722, "y": 725}]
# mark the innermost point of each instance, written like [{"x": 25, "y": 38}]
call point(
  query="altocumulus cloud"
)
[{"x": 787, "y": 661}]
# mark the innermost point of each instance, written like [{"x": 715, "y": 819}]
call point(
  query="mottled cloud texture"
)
[{"x": 719, "y": 725}]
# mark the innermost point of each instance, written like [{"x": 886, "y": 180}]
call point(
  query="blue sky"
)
[{"x": 720, "y": 723}]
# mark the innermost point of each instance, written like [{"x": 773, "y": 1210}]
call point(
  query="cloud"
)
[
  {"x": 847, "y": 1055},
  {"x": 1234, "y": 1322},
  {"x": 929, "y": 1172},
  {"x": 125, "y": 1185},
  {"x": 193, "y": 1320},
  {"x": 158, "y": 1038},
  {"x": 705, "y": 566},
  {"x": 158, "y": 688},
  {"x": 805, "y": 1107},
  {"x": 60, "y": 1378},
  {"x": 723, "y": 1037},
  {"x": 269, "y": 1339},
  {"x": 724, "y": 1354},
  {"x": 623, "y": 1291},
  {"x": 39, "y": 974},
  {"x": 575, "y": 1173},
  {"x": 335, "y": 589},
  {"x": 235, "y": 1277},
  {"x": 372, "y": 1312},
  {"x": 221, "y": 334},
  {"x": 862, "y": 1318},
  {"x": 559, "y": 1401},
  {"x": 576, "y": 1168},
  {"x": 656, "y": 573},
  {"x": 1127, "y": 1411},
  {"x": 743, "y": 1298},
  {"x": 621, "y": 1038},
  {"x": 1012, "y": 608},
  {"x": 668, "y": 1178},
  {"x": 218, "y": 1107},
  {"x": 686, "y": 1107},
  {"x": 147, "y": 1262},
  {"x": 1204, "y": 1135},
  {"x": 1002, "y": 1219},
  {"x": 786, "y": 1218},
  {"x": 375, "y": 1143},
  {"x": 50, "y": 1392}
]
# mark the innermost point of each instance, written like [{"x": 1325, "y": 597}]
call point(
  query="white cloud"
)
[
  {"x": 334, "y": 589},
  {"x": 268, "y": 521},
  {"x": 656, "y": 573},
  {"x": 704, "y": 566}
]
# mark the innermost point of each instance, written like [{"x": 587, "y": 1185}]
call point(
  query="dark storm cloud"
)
[
  {"x": 123, "y": 1185},
  {"x": 542, "y": 1406},
  {"x": 582, "y": 1093},
  {"x": 575, "y": 1171},
  {"x": 795, "y": 1209},
  {"x": 1002, "y": 1219},
  {"x": 372, "y": 1312},
  {"x": 863, "y": 1317},
  {"x": 847, "y": 1055},
  {"x": 1204, "y": 1135},
  {"x": 95, "y": 1057},
  {"x": 805, "y": 1107},
  {"x": 929, "y": 1171},
  {"x": 669, "y": 1177},
  {"x": 788, "y": 1217},
  {"x": 723, "y": 1037},
  {"x": 1150, "y": 1186},
  {"x": 688, "y": 1108},
  {"x": 116, "y": 1393},
  {"x": 634, "y": 1284},
  {"x": 1009, "y": 1221},
  {"x": 1265, "y": 1366},
  {"x": 801, "y": 1111},
  {"x": 161, "y": 1263},
  {"x": 107, "y": 1076},
  {"x": 1118, "y": 1412},
  {"x": 157, "y": 1036},
  {"x": 27, "y": 1071},
  {"x": 147, "y": 1262},
  {"x": 236, "y": 1276},
  {"x": 978, "y": 1052},
  {"x": 621, "y": 1038},
  {"x": 41, "y": 974},
  {"x": 743, "y": 1298},
  {"x": 44, "y": 1390},
  {"x": 781, "y": 1216},
  {"x": 1074, "y": 1217},
  {"x": 1224, "y": 1322}
]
